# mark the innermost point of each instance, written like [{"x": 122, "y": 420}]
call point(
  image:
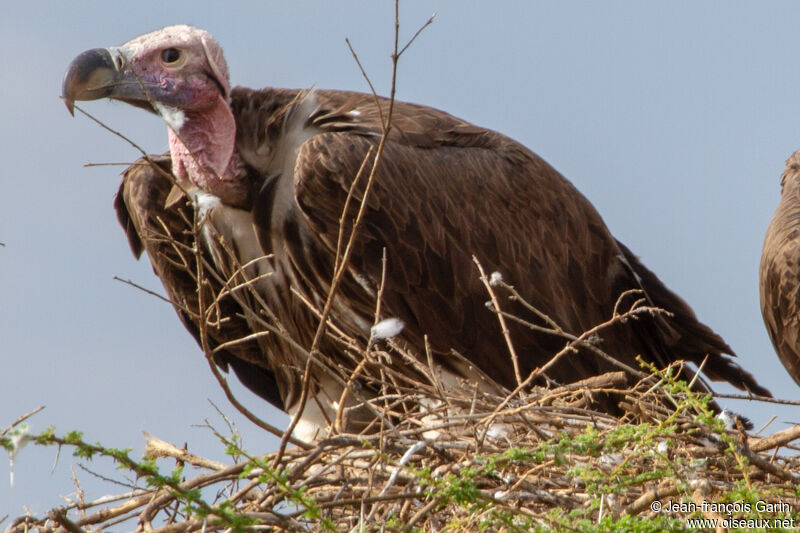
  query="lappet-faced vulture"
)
[
  {"x": 779, "y": 276},
  {"x": 267, "y": 173}
]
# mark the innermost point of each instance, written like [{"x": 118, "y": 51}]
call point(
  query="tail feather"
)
[{"x": 687, "y": 337}]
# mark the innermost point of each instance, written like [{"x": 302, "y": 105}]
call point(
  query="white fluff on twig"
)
[
  {"x": 498, "y": 431},
  {"x": 727, "y": 418},
  {"x": 387, "y": 328},
  {"x": 19, "y": 438},
  {"x": 204, "y": 203}
]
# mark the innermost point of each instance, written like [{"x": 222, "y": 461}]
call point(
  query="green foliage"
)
[
  {"x": 147, "y": 470},
  {"x": 608, "y": 466}
]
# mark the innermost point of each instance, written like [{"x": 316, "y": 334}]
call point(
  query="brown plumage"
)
[
  {"x": 167, "y": 237},
  {"x": 779, "y": 275},
  {"x": 445, "y": 191}
]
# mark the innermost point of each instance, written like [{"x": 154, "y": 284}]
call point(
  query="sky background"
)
[{"x": 673, "y": 118}]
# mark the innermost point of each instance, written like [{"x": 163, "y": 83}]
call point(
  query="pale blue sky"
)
[{"x": 673, "y": 118}]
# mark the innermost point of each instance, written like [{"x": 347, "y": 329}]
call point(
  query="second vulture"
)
[
  {"x": 779, "y": 275},
  {"x": 268, "y": 172}
]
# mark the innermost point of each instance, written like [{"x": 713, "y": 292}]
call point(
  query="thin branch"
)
[
  {"x": 112, "y": 130},
  {"x": 342, "y": 267},
  {"x": 503, "y": 326},
  {"x": 120, "y": 164},
  {"x": 369, "y": 82},
  {"x": 20, "y": 420},
  {"x": 414, "y": 38},
  {"x": 148, "y": 291},
  {"x": 757, "y": 398}
]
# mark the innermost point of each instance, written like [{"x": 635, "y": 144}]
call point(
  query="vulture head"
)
[{"x": 178, "y": 72}]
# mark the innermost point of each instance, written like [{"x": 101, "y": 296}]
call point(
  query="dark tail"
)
[{"x": 688, "y": 338}]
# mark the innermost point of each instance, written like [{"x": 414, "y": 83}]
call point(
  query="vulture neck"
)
[{"x": 202, "y": 144}]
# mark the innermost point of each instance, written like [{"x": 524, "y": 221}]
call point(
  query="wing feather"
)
[
  {"x": 165, "y": 233},
  {"x": 434, "y": 208},
  {"x": 780, "y": 272}
]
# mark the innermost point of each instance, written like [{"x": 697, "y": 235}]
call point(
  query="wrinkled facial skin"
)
[
  {"x": 178, "y": 72},
  {"x": 179, "y": 67},
  {"x": 173, "y": 76}
]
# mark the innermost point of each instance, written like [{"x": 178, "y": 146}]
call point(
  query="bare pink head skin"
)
[
  {"x": 180, "y": 72},
  {"x": 202, "y": 130}
]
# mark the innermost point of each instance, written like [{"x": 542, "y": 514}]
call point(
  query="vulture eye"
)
[{"x": 170, "y": 55}]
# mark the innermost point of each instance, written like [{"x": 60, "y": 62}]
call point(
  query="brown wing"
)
[
  {"x": 166, "y": 235},
  {"x": 447, "y": 190},
  {"x": 431, "y": 230},
  {"x": 779, "y": 274}
]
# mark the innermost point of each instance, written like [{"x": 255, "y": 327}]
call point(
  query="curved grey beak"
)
[{"x": 91, "y": 76}]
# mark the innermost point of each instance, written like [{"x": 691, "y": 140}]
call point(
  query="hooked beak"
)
[
  {"x": 102, "y": 73},
  {"x": 91, "y": 76}
]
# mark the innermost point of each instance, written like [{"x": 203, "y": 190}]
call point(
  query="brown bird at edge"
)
[
  {"x": 268, "y": 173},
  {"x": 779, "y": 273}
]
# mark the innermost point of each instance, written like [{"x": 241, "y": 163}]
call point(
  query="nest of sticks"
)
[{"x": 497, "y": 463}]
